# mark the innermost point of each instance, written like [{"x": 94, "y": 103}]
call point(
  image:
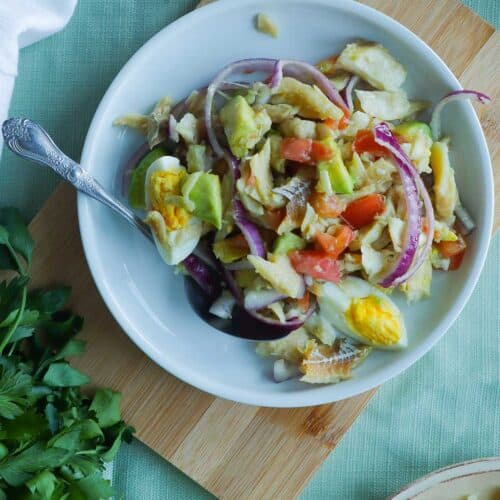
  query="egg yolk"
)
[
  {"x": 373, "y": 319},
  {"x": 164, "y": 184}
]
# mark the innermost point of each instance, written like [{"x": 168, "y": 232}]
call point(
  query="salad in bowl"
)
[{"x": 305, "y": 195}]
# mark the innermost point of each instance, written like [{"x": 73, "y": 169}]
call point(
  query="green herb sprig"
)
[{"x": 54, "y": 440}]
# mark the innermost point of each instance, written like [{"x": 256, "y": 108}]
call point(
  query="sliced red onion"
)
[
  {"x": 290, "y": 325},
  {"x": 277, "y": 69},
  {"x": 248, "y": 229},
  {"x": 281, "y": 328},
  {"x": 456, "y": 95},
  {"x": 172, "y": 130},
  {"x": 429, "y": 213},
  {"x": 232, "y": 285},
  {"x": 205, "y": 276},
  {"x": 126, "y": 171},
  {"x": 466, "y": 221},
  {"x": 300, "y": 70},
  {"x": 384, "y": 137},
  {"x": 346, "y": 92},
  {"x": 240, "y": 265},
  {"x": 277, "y": 75},
  {"x": 258, "y": 299}
]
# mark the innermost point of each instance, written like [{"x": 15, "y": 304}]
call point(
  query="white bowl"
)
[
  {"x": 145, "y": 296},
  {"x": 456, "y": 482}
]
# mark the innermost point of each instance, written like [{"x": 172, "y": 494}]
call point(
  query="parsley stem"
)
[
  {"x": 19, "y": 264},
  {"x": 14, "y": 325}
]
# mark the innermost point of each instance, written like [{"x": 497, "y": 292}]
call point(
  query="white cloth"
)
[{"x": 23, "y": 22}]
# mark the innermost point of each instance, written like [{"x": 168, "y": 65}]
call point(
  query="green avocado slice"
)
[
  {"x": 287, "y": 242},
  {"x": 203, "y": 191},
  {"x": 136, "y": 190}
]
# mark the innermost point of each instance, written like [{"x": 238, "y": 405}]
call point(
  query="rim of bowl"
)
[
  {"x": 448, "y": 473},
  {"x": 296, "y": 398}
]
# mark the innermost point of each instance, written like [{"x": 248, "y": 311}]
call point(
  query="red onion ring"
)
[
  {"x": 263, "y": 298},
  {"x": 245, "y": 65},
  {"x": 299, "y": 69},
  {"x": 346, "y": 92},
  {"x": 248, "y": 229},
  {"x": 456, "y": 95},
  {"x": 203, "y": 275},
  {"x": 384, "y": 137},
  {"x": 277, "y": 69},
  {"x": 277, "y": 75}
]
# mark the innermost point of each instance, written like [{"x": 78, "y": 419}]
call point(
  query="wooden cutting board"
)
[{"x": 210, "y": 439}]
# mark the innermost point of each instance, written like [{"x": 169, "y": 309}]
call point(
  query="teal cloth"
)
[{"x": 442, "y": 410}]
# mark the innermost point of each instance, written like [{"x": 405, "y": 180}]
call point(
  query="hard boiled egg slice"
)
[
  {"x": 176, "y": 232},
  {"x": 363, "y": 312}
]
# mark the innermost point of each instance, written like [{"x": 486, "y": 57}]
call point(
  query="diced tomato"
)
[
  {"x": 335, "y": 244},
  {"x": 316, "y": 264},
  {"x": 340, "y": 124},
  {"x": 303, "y": 303},
  {"x": 344, "y": 121},
  {"x": 320, "y": 151},
  {"x": 364, "y": 142},
  {"x": 326, "y": 205},
  {"x": 298, "y": 150},
  {"x": 362, "y": 211},
  {"x": 331, "y": 123},
  {"x": 456, "y": 261},
  {"x": 274, "y": 218},
  {"x": 305, "y": 150},
  {"x": 451, "y": 248}
]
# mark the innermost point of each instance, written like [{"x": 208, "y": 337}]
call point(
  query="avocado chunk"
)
[
  {"x": 409, "y": 130},
  {"x": 136, "y": 190},
  {"x": 243, "y": 127},
  {"x": 337, "y": 178},
  {"x": 203, "y": 191},
  {"x": 287, "y": 242}
]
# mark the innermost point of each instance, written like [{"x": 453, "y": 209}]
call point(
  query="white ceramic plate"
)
[
  {"x": 145, "y": 296},
  {"x": 457, "y": 482}
]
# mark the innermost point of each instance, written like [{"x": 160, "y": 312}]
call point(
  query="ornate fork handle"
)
[{"x": 29, "y": 140}]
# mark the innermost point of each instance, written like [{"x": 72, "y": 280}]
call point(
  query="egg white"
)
[
  {"x": 336, "y": 298},
  {"x": 180, "y": 242}
]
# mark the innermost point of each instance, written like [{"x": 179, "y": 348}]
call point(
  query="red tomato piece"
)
[
  {"x": 298, "y": 150},
  {"x": 335, "y": 244},
  {"x": 451, "y": 248},
  {"x": 320, "y": 151},
  {"x": 316, "y": 264},
  {"x": 364, "y": 142},
  {"x": 326, "y": 205},
  {"x": 362, "y": 211},
  {"x": 456, "y": 261}
]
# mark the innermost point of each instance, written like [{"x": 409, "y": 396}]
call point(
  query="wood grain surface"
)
[{"x": 214, "y": 440}]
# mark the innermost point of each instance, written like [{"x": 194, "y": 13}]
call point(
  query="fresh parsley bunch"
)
[{"x": 54, "y": 440}]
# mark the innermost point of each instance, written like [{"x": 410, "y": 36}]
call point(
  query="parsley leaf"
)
[
  {"x": 106, "y": 405},
  {"x": 64, "y": 375},
  {"x": 54, "y": 439}
]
